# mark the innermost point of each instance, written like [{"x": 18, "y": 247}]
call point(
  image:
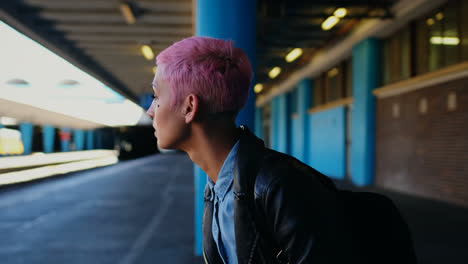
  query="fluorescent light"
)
[
  {"x": 340, "y": 12},
  {"x": 8, "y": 121},
  {"x": 274, "y": 72},
  {"x": 51, "y": 170},
  {"x": 147, "y": 52},
  {"x": 127, "y": 13},
  {"x": 452, "y": 41},
  {"x": 258, "y": 88},
  {"x": 330, "y": 22},
  {"x": 294, "y": 54}
]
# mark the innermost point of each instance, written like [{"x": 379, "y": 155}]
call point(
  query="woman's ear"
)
[{"x": 191, "y": 108}]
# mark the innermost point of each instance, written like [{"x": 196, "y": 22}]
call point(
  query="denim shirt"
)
[{"x": 223, "y": 214}]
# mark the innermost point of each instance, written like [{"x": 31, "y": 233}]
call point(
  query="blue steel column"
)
[
  {"x": 99, "y": 139},
  {"x": 65, "y": 136},
  {"x": 90, "y": 139},
  {"x": 235, "y": 20},
  {"x": 78, "y": 138},
  {"x": 48, "y": 138},
  {"x": 366, "y": 77},
  {"x": 27, "y": 136},
  {"x": 300, "y": 127},
  {"x": 280, "y": 123}
]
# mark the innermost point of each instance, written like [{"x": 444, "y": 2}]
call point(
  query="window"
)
[
  {"x": 451, "y": 34},
  {"x": 427, "y": 44},
  {"x": 333, "y": 83},
  {"x": 464, "y": 30}
]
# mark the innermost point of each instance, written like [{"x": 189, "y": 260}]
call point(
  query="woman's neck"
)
[{"x": 209, "y": 146}]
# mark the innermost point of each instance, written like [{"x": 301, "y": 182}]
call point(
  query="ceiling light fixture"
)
[
  {"x": 258, "y": 88},
  {"x": 147, "y": 52},
  {"x": 452, "y": 41},
  {"x": 274, "y": 72},
  {"x": 294, "y": 54},
  {"x": 439, "y": 16},
  {"x": 340, "y": 12},
  {"x": 333, "y": 72},
  {"x": 330, "y": 22},
  {"x": 127, "y": 12},
  {"x": 430, "y": 21}
]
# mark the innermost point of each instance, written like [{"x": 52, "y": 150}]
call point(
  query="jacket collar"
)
[{"x": 250, "y": 149}]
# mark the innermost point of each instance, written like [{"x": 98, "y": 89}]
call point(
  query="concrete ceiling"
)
[{"x": 94, "y": 34}]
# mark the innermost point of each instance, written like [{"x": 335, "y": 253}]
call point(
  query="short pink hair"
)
[{"x": 213, "y": 69}]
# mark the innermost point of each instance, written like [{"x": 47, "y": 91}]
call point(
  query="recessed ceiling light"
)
[
  {"x": 18, "y": 83},
  {"x": 274, "y": 72},
  {"x": 258, "y": 88},
  {"x": 340, "y": 12},
  {"x": 147, "y": 52},
  {"x": 127, "y": 12},
  {"x": 68, "y": 83},
  {"x": 330, "y": 22},
  {"x": 294, "y": 54}
]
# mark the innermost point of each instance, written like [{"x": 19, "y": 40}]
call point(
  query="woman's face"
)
[{"x": 168, "y": 121}]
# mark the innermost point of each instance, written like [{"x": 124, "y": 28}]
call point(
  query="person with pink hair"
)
[{"x": 261, "y": 206}]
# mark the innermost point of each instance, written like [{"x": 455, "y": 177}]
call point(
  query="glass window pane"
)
[
  {"x": 435, "y": 48},
  {"x": 451, "y": 36},
  {"x": 405, "y": 53},
  {"x": 395, "y": 58},
  {"x": 386, "y": 62},
  {"x": 464, "y": 29},
  {"x": 422, "y": 45},
  {"x": 333, "y": 84}
]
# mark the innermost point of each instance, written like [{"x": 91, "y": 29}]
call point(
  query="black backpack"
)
[{"x": 379, "y": 232}]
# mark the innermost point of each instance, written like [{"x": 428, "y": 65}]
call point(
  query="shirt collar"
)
[{"x": 226, "y": 174}]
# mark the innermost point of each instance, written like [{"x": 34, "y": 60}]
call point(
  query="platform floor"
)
[{"x": 141, "y": 211}]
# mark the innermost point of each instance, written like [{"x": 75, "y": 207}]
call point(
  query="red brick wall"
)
[{"x": 425, "y": 154}]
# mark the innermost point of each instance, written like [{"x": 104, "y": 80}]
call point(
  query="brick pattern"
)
[{"x": 425, "y": 154}]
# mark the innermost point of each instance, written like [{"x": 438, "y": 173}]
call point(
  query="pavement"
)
[
  {"x": 138, "y": 211},
  {"x": 141, "y": 211}
]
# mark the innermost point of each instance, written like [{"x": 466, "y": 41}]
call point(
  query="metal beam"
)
[
  {"x": 111, "y": 38},
  {"x": 116, "y": 17},
  {"x": 124, "y": 28},
  {"x": 90, "y": 5}
]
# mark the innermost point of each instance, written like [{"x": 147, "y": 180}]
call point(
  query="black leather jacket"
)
[{"x": 285, "y": 211}]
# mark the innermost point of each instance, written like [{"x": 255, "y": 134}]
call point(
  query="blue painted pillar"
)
[
  {"x": 145, "y": 100},
  {"x": 27, "y": 137},
  {"x": 235, "y": 20},
  {"x": 366, "y": 77},
  {"x": 78, "y": 138},
  {"x": 280, "y": 123},
  {"x": 99, "y": 144},
  {"x": 48, "y": 138},
  {"x": 65, "y": 136},
  {"x": 90, "y": 139},
  {"x": 299, "y": 124},
  {"x": 259, "y": 122}
]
